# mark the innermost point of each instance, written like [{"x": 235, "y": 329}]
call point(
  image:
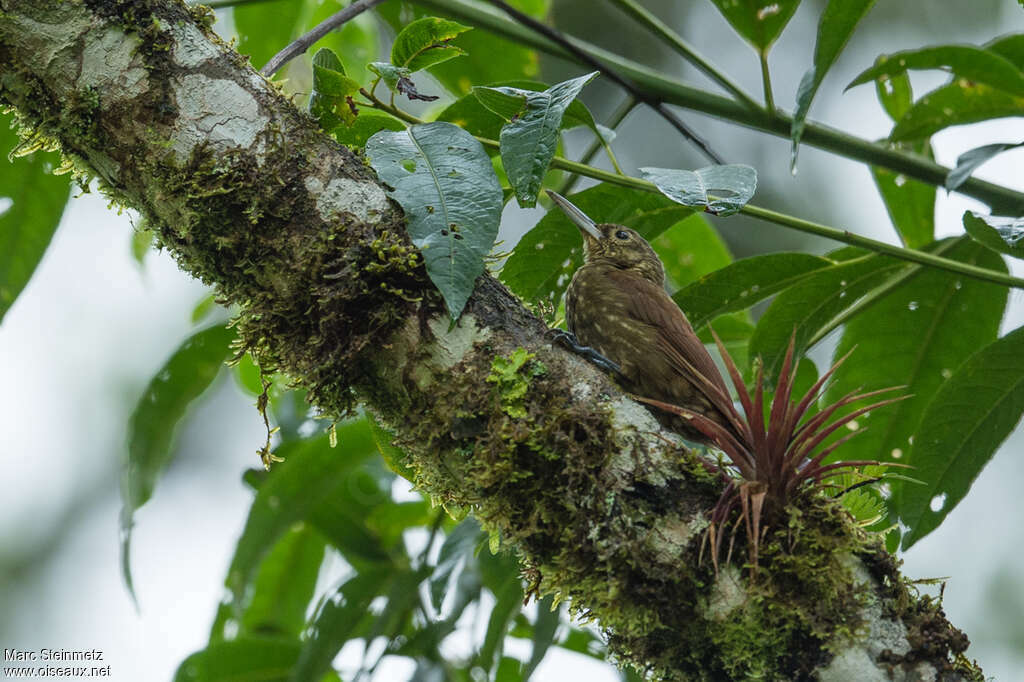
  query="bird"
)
[{"x": 620, "y": 317}]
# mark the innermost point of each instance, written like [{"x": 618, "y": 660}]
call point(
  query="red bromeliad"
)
[{"x": 773, "y": 461}]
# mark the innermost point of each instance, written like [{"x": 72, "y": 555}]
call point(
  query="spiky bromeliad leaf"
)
[
  {"x": 451, "y": 197},
  {"x": 773, "y": 458}
]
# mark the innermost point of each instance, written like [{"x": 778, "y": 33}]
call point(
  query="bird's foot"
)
[{"x": 569, "y": 340}]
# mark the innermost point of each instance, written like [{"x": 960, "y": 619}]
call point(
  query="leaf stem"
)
[
  {"x": 766, "y": 81},
  {"x": 685, "y": 50},
  {"x": 1002, "y": 200}
]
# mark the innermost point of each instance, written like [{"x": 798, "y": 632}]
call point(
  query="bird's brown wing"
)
[{"x": 675, "y": 336}]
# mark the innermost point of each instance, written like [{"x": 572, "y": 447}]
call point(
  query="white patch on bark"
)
[
  {"x": 217, "y": 112},
  {"x": 191, "y": 47},
  {"x": 111, "y": 63},
  {"x": 365, "y": 200},
  {"x": 672, "y": 536},
  {"x": 727, "y": 594},
  {"x": 857, "y": 660}
]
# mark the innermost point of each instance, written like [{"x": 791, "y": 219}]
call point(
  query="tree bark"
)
[{"x": 603, "y": 506}]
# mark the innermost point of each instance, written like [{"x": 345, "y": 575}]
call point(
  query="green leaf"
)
[
  {"x": 759, "y": 21},
  {"x": 964, "y": 61},
  {"x": 916, "y": 336},
  {"x": 528, "y": 141},
  {"x": 836, "y": 26},
  {"x": 508, "y": 593},
  {"x": 426, "y": 42},
  {"x": 266, "y": 659},
  {"x": 543, "y": 635},
  {"x": 970, "y": 416},
  {"x": 457, "y": 548},
  {"x": 814, "y": 304},
  {"x": 1002, "y": 235},
  {"x": 182, "y": 379},
  {"x": 910, "y": 203},
  {"x": 339, "y": 619},
  {"x": 493, "y": 58},
  {"x": 285, "y": 584},
  {"x": 691, "y": 249},
  {"x": 314, "y": 483},
  {"x": 544, "y": 259},
  {"x": 142, "y": 242},
  {"x": 895, "y": 94},
  {"x": 366, "y": 125},
  {"x": 446, "y": 185},
  {"x": 958, "y": 103},
  {"x": 745, "y": 282},
  {"x": 719, "y": 190},
  {"x": 330, "y": 102},
  {"x": 970, "y": 160},
  {"x": 32, "y": 201}
]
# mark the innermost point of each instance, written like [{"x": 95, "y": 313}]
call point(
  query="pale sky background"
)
[{"x": 92, "y": 327}]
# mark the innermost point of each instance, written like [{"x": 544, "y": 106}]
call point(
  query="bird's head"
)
[{"x": 612, "y": 244}]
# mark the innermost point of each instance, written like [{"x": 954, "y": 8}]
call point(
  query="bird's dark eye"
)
[{"x": 622, "y": 234}]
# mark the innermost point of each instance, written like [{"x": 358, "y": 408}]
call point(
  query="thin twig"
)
[
  {"x": 684, "y": 49},
  {"x": 300, "y": 45},
  {"x": 614, "y": 122},
  {"x": 595, "y": 63}
]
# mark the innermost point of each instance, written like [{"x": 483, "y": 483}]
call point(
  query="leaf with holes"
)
[
  {"x": 719, "y": 190},
  {"x": 426, "y": 42},
  {"x": 529, "y": 139},
  {"x": 445, "y": 183},
  {"x": 964, "y": 425},
  {"x": 1003, "y": 235}
]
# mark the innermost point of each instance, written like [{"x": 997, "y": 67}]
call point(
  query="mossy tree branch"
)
[{"x": 603, "y": 507}]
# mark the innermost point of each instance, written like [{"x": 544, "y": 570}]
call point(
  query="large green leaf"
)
[
  {"x": 916, "y": 336},
  {"x": 815, "y": 304},
  {"x": 836, "y": 26},
  {"x": 252, "y": 659},
  {"x": 297, "y": 489},
  {"x": 426, "y": 42},
  {"x": 719, "y": 190},
  {"x": 759, "y": 21},
  {"x": 451, "y": 197},
  {"x": 958, "y": 103},
  {"x": 745, "y": 282},
  {"x": 690, "y": 250},
  {"x": 182, "y": 379},
  {"x": 964, "y": 61},
  {"x": 32, "y": 200},
  {"x": 545, "y": 258},
  {"x": 910, "y": 203},
  {"x": 285, "y": 584},
  {"x": 1002, "y": 235},
  {"x": 529, "y": 139},
  {"x": 970, "y": 416}
]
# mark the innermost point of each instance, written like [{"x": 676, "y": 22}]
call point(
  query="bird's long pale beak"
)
[{"x": 578, "y": 217}]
